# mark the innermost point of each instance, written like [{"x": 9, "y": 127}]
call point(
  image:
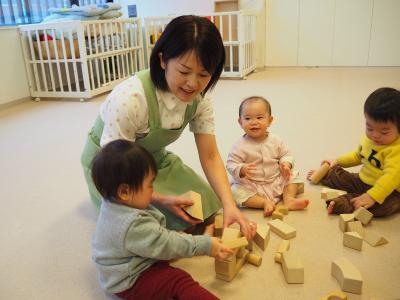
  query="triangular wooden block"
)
[
  {"x": 374, "y": 239},
  {"x": 195, "y": 210}
]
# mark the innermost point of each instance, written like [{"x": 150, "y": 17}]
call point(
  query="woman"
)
[{"x": 153, "y": 107}]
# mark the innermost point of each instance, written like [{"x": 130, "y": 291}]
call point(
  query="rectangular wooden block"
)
[
  {"x": 292, "y": 267},
  {"x": 262, "y": 236},
  {"x": 230, "y": 234},
  {"x": 235, "y": 243},
  {"x": 282, "y": 229},
  {"x": 363, "y": 215},
  {"x": 282, "y": 209},
  {"x": 218, "y": 224},
  {"x": 277, "y": 215}
]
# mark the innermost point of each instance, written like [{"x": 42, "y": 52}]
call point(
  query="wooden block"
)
[
  {"x": 241, "y": 252},
  {"x": 292, "y": 267},
  {"x": 277, "y": 215},
  {"x": 218, "y": 225},
  {"x": 336, "y": 295},
  {"x": 327, "y": 193},
  {"x": 352, "y": 240},
  {"x": 238, "y": 266},
  {"x": 283, "y": 247},
  {"x": 262, "y": 236},
  {"x": 374, "y": 239},
  {"x": 355, "y": 226},
  {"x": 225, "y": 267},
  {"x": 230, "y": 234},
  {"x": 250, "y": 246},
  {"x": 282, "y": 209},
  {"x": 363, "y": 215},
  {"x": 320, "y": 173},
  {"x": 347, "y": 275},
  {"x": 300, "y": 187},
  {"x": 235, "y": 243},
  {"x": 278, "y": 257},
  {"x": 195, "y": 210},
  {"x": 282, "y": 229},
  {"x": 254, "y": 259},
  {"x": 344, "y": 219}
]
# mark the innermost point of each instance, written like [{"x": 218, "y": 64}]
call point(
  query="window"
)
[{"x": 15, "y": 12}]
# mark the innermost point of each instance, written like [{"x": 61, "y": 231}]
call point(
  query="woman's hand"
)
[
  {"x": 175, "y": 204},
  {"x": 232, "y": 214},
  {"x": 364, "y": 200}
]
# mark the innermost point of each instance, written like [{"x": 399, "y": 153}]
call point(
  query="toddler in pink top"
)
[{"x": 260, "y": 164}]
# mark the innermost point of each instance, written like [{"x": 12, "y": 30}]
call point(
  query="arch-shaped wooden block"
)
[{"x": 347, "y": 275}]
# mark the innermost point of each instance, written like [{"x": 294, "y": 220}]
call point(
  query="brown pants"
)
[{"x": 338, "y": 178}]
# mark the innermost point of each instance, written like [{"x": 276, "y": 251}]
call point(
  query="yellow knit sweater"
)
[{"x": 381, "y": 167}]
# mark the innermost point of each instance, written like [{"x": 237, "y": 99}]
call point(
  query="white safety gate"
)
[
  {"x": 238, "y": 32},
  {"x": 81, "y": 59}
]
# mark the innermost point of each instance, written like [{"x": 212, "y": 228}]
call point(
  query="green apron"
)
[{"x": 174, "y": 177}]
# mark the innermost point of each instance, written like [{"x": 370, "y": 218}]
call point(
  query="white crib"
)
[
  {"x": 238, "y": 31},
  {"x": 81, "y": 59}
]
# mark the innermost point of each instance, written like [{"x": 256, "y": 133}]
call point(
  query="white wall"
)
[
  {"x": 13, "y": 81},
  {"x": 147, "y": 8}
]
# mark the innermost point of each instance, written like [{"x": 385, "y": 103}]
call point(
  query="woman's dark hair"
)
[
  {"x": 383, "y": 105},
  {"x": 121, "y": 162},
  {"x": 184, "y": 34},
  {"x": 254, "y": 98}
]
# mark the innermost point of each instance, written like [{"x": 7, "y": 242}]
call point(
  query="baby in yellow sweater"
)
[{"x": 377, "y": 186}]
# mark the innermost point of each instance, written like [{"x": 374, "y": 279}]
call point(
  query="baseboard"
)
[{"x": 15, "y": 102}]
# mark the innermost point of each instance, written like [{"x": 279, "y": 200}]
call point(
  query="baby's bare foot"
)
[
  {"x": 296, "y": 203},
  {"x": 310, "y": 173},
  {"x": 269, "y": 207},
  {"x": 209, "y": 230},
  {"x": 330, "y": 207}
]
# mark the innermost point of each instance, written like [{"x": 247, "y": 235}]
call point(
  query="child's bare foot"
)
[
  {"x": 296, "y": 203},
  {"x": 269, "y": 207},
  {"x": 330, "y": 207},
  {"x": 310, "y": 173},
  {"x": 209, "y": 230}
]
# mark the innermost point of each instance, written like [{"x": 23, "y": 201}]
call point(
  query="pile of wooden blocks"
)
[
  {"x": 243, "y": 250},
  {"x": 352, "y": 225}
]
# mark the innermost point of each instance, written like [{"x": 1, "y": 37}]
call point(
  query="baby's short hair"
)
[
  {"x": 384, "y": 105},
  {"x": 254, "y": 98},
  {"x": 121, "y": 162}
]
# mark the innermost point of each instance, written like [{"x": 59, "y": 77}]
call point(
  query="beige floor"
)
[{"x": 46, "y": 219}]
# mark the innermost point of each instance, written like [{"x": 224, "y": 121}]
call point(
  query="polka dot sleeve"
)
[
  {"x": 203, "y": 121},
  {"x": 125, "y": 112}
]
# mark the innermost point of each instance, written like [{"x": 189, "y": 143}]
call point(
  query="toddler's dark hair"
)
[
  {"x": 383, "y": 105},
  {"x": 267, "y": 105},
  {"x": 121, "y": 162},
  {"x": 184, "y": 34}
]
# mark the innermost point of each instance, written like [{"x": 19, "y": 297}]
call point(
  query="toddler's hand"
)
[
  {"x": 218, "y": 250},
  {"x": 248, "y": 170},
  {"x": 286, "y": 169},
  {"x": 364, "y": 200}
]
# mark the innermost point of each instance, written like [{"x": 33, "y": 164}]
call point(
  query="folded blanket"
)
[{"x": 87, "y": 10}]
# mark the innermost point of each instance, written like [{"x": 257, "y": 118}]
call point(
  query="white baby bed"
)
[
  {"x": 238, "y": 32},
  {"x": 84, "y": 58}
]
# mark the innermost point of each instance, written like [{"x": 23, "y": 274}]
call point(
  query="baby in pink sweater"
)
[{"x": 260, "y": 164}]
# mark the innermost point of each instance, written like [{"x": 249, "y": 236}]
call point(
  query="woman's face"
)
[{"x": 185, "y": 75}]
